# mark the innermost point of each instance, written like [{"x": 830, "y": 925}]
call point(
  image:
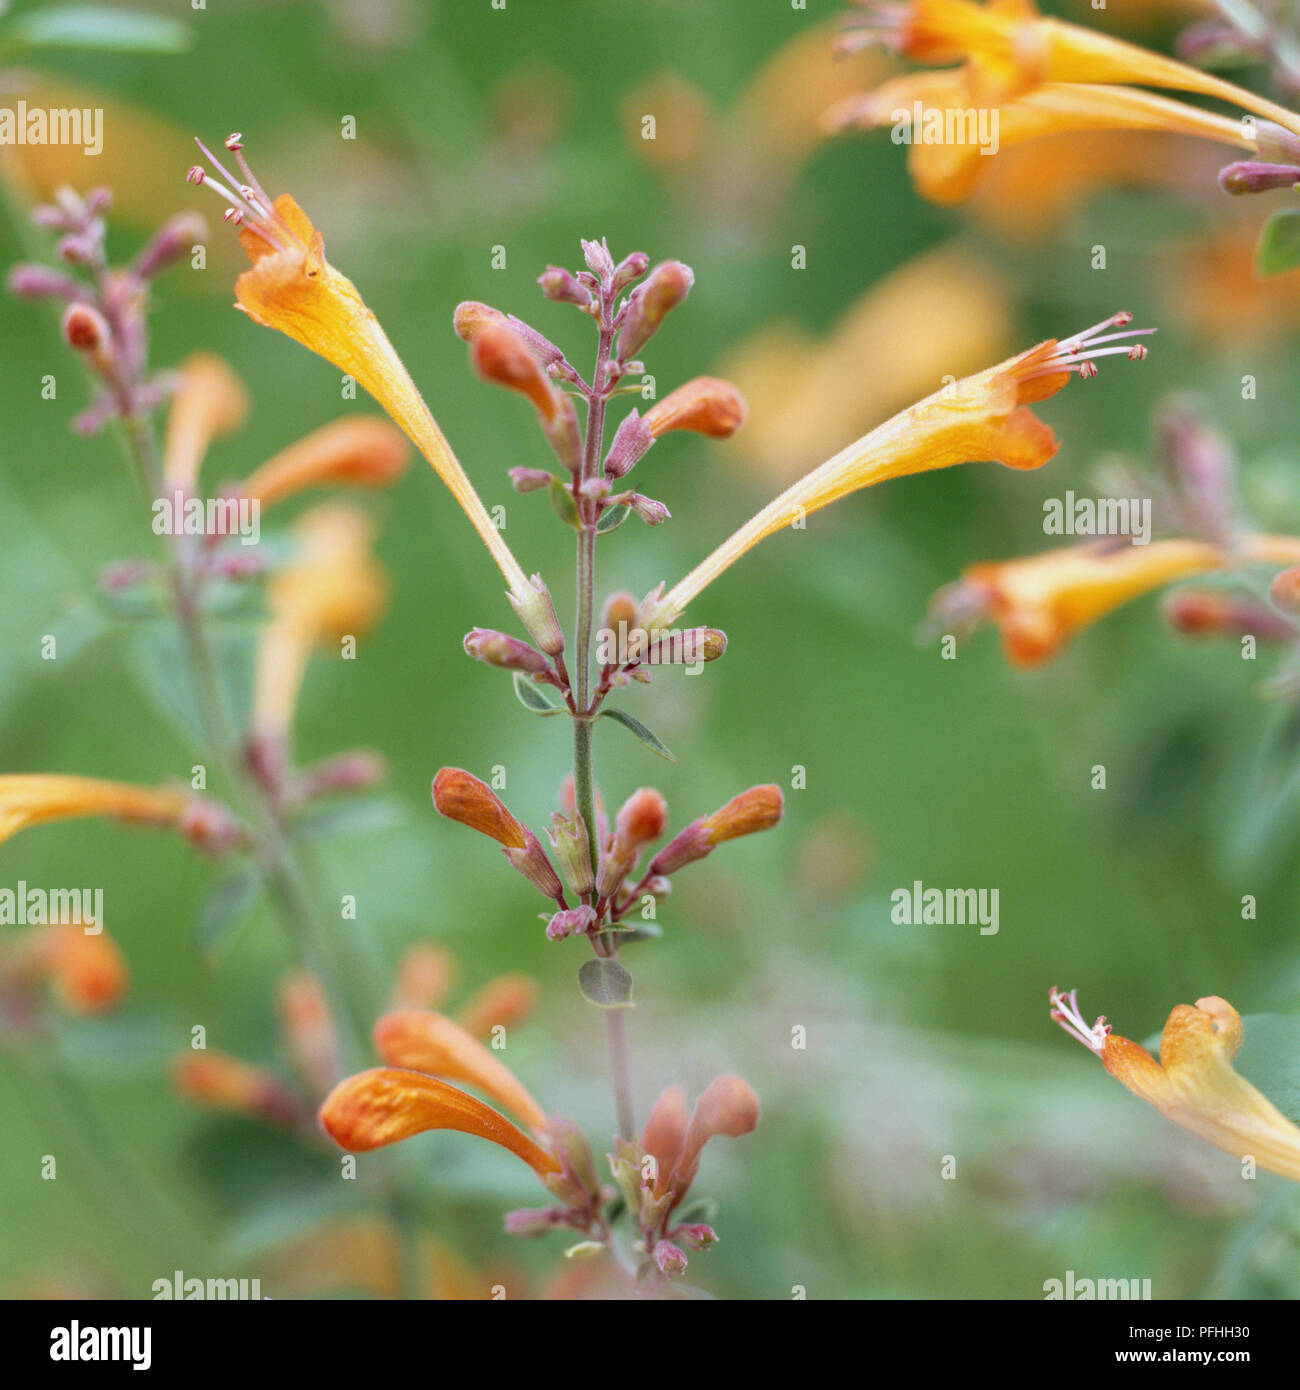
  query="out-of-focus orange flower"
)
[
  {"x": 332, "y": 588},
  {"x": 1194, "y": 1083},
  {"x": 359, "y": 450},
  {"x": 1008, "y": 48},
  {"x": 949, "y": 170},
  {"x": 35, "y": 798},
  {"x": 144, "y": 188},
  {"x": 87, "y": 970},
  {"x": 1211, "y": 283},
  {"x": 385, "y": 1105},
  {"x": 985, "y": 416},
  {"x": 501, "y": 1003},
  {"x": 940, "y": 314},
  {"x": 419, "y": 1040},
  {"x": 1029, "y": 189},
  {"x": 210, "y": 401},
  {"x": 291, "y": 287},
  {"x": 364, "y": 1254},
  {"x": 1041, "y": 601},
  {"x": 308, "y": 1026},
  {"x": 425, "y": 975},
  {"x": 222, "y": 1082},
  {"x": 770, "y": 130}
]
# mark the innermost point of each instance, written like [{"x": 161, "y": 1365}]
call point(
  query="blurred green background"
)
[{"x": 479, "y": 128}]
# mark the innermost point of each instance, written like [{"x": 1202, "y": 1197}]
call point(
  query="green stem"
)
[{"x": 583, "y": 720}]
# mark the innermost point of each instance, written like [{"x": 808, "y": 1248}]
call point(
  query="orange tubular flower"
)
[
  {"x": 979, "y": 417},
  {"x": 1009, "y": 48},
  {"x": 1194, "y": 1084},
  {"x": 209, "y": 402},
  {"x": 949, "y": 171},
  {"x": 385, "y": 1105},
  {"x": 705, "y": 405},
  {"x": 1040, "y": 602},
  {"x": 432, "y": 1043},
  {"x": 293, "y": 288},
  {"x": 359, "y": 450},
  {"x": 34, "y": 798}
]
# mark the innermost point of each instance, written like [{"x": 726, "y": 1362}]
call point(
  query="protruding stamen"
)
[
  {"x": 234, "y": 216},
  {"x": 1065, "y": 1011},
  {"x": 1080, "y": 351},
  {"x": 196, "y": 174},
  {"x": 234, "y": 142}
]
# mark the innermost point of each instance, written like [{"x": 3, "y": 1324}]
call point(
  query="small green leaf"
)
[
  {"x": 534, "y": 698},
  {"x": 651, "y": 740},
  {"x": 98, "y": 27},
  {"x": 565, "y": 507},
  {"x": 1279, "y": 244},
  {"x": 605, "y": 983},
  {"x": 225, "y": 908},
  {"x": 612, "y": 518}
]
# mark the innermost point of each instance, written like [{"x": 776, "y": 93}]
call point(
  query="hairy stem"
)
[{"x": 583, "y": 774}]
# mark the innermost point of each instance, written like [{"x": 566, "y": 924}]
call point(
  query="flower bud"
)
[
  {"x": 86, "y": 329},
  {"x": 759, "y": 808},
  {"x": 642, "y": 817},
  {"x": 630, "y": 268},
  {"x": 561, "y": 286},
  {"x": 471, "y": 318},
  {"x": 667, "y": 286},
  {"x": 573, "y": 921},
  {"x": 529, "y": 479},
  {"x": 1217, "y": 613},
  {"x": 535, "y": 1221},
  {"x": 573, "y": 849},
  {"x": 509, "y": 653},
  {"x": 460, "y": 796},
  {"x": 537, "y": 613},
  {"x": 707, "y": 405},
  {"x": 631, "y": 441},
  {"x": 620, "y": 608},
  {"x": 698, "y": 1236},
  {"x": 694, "y": 645},
  {"x": 670, "y": 1258},
  {"x": 651, "y": 512},
  {"x": 599, "y": 261},
  {"x": 33, "y": 281},
  {"x": 1251, "y": 176},
  {"x": 174, "y": 239},
  {"x": 640, "y": 820}
]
